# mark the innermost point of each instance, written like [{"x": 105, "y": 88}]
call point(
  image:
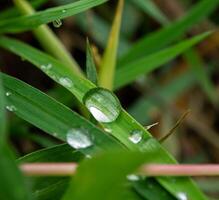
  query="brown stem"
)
[{"x": 68, "y": 169}]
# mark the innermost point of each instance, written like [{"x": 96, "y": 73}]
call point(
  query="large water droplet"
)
[
  {"x": 11, "y": 108},
  {"x": 136, "y": 136},
  {"x": 66, "y": 82},
  {"x": 182, "y": 196},
  {"x": 133, "y": 177},
  {"x": 78, "y": 138},
  {"x": 57, "y": 23},
  {"x": 103, "y": 105}
]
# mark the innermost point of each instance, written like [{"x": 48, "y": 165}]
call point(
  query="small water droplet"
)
[
  {"x": 133, "y": 177},
  {"x": 88, "y": 156},
  {"x": 64, "y": 11},
  {"x": 108, "y": 130},
  {"x": 66, "y": 82},
  {"x": 152, "y": 125},
  {"x": 78, "y": 138},
  {"x": 103, "y": 105},
  {"x": 46, "y": 67},
  {"x": 7, "y": 94},
  {"x": 11, "y": 108},
  {"x": 57, "y": 23},
  {"x": 136, "y": 136},
  {"x": 182, "y": 196}
]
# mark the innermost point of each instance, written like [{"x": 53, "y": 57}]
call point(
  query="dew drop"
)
[
  {"x": 132, "y": 177},
  {"x": 108, "y": 130},
  {"x": 66, "y": 82},
  {"x": 64, "y": 11},
  {"x": 78, "y": 138},
  {"x": 46, "y": 67},
  {"x": 8, "y": 94},
  {"x": 182, "y": 196},
  {"x": 57, "y": 23},
  {"x": 103, "y": 105},
  {"x": 11, "y": 108},
  {"x": 136, "y": 136}
]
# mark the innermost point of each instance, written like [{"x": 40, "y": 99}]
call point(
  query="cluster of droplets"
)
[
  {"x": 79, "y": 138},
  {"x": 102, "y": 104},
  {"x": 46, "y": 68},
  {"x": 11, "y": 108},
  {"x": 57, "y": 23}
]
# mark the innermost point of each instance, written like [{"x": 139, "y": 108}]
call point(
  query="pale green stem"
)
[{"x": 49, "y": 40}]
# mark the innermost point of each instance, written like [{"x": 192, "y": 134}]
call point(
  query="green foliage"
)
[{"x": 115, "y": 144}]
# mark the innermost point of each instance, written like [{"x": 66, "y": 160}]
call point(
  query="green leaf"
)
[
  {"x": 2, "y": 114},
  {"x": 197, "y": 65},
  {"x": 13, "y": 12},
  {"x": 46, "y": 188},
  {"x": 125, "y": 75},
  {"x": 104, "y": 176},
  {"x": 25, "y": 23},
  {"x": 150, "y": 8},
  {"x": 51, "y": 116},
  {"x": 12, "y": 183},
  {"x": 166, "y": 35},
  {"x": 108, "y": 64},
  {"x": 121, "y": 128},
  {"x": 90, "y": 66}
]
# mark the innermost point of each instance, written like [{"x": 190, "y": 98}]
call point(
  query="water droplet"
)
[
  {"x": 88, "y": 156},
  {"x": 57, "y": 23},
  {"x": 64, "y": 11},
  {"x": 46, "y": 67},
  {"x": 136, "y": 136},
  {"x": 150, "y": 145},
  {"x": 152, "y": 125},
  {"x": 78, "y": 138},
  {"x": 103, "y": 105},
  {"x": 133, "y": 177},
  {"x": 66, "y": 82},
  {"x": 7, "y": 94},
  {"x": 108, "y": 130},
  {"x": 182, "y": 196},
  {"x": 11, "y": 108}
]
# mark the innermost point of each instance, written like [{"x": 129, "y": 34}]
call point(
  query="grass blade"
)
[
  {"x": 108, "y": 64},
  {"x": 91, "y": 175},
  {"x": 25, "y": 23},
  {"x": 125, "y": 75},
  {"x": 199, "y": 71},
  {"x": 165, "y": 36},
  {"x": 121, "y": 128},
  {"x": 48, "y": 40},
  {"x": 51, "y": 116},
  {"x": 90, "y": 66},
  {"x": 150, "y": 8}
]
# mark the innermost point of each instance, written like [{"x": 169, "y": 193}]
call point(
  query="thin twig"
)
[
  {"x": 68, "y": 169},
  {"x": 180, "y": 120}
]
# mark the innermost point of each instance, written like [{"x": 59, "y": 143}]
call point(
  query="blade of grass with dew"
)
[
  {"x": 125, "y": 75},
  {"x": 197, "y": 65},
  {"x": 48, "y": 40},
  {"x": 13, "y": 12},
  {"x": 150, "y": 8},
  {"x": 91, "y": 176},
  {"x": 124, "y": 124},
  {"x": 25, "y": 23},
  {"x": 49, "y": 115},
  {"x": 90, "y": 65},
  {"x": 108, "y": 63},
  {"x": 166, "y": 35},
  {"x": 10, "y": 176}
]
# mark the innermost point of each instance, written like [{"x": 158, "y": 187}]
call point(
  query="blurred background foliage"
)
[{"x": 189, "y": 82}]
